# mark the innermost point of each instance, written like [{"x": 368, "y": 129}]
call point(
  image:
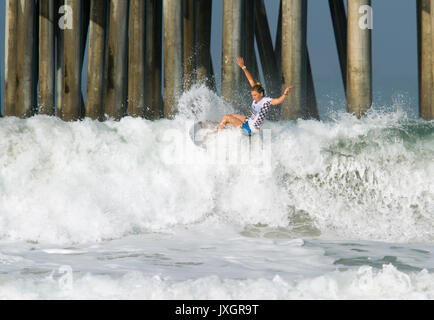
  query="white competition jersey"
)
[{"x": 259, "y": 111}]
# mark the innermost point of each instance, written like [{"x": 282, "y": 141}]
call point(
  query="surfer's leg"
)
[
  {"x": 234, "y": 121},
  {"x": 239, "y": 116}
]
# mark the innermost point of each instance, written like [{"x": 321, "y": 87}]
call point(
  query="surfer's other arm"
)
[
  {"x": 240, "y": 63},
  {"x": 282, "y": 98}
]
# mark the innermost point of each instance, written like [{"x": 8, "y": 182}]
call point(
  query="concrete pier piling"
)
[
  {"x": 116, "y": 82},
  {"x": 249, "y": 27},
  {"x": 426, "y": 112},
  {"x": 266, "y": 50},
  {"x": 278, "y": 42},
  {"x": 153, "y": 59},
  {"x": 232, "y": 39},
  {"x": 136, "y": 59},
  {"x": 189, "y": 44},
  {"x": 359, "y": 60},
  {"x": 268, "y": 55},
  {"x": 59, "y": 32},
  {"x": 203, "y": 34},
  {"x": 425, "y": 58},
  {"x": 294, "y": 57},
  {"x": 70, "y": 108},
  {"x": 311, "y": 104},
  {"x": 339, "y": 20},
  {"x": 96, "y": 54},
  {"x": 46, "y": 57},
  {"x": 25, "y": 100},
  {"x": 10, "y": 87},
  {"x": 173, "y": 56}
]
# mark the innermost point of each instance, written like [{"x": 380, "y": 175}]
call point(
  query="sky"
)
[{"x": 394, "y": 47}]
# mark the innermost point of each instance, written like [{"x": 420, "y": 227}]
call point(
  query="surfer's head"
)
[{"x": 257, "y": 92}]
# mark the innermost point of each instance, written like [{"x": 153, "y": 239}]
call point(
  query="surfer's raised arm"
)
[
  {"x": 260, "y": 106},
  {"x": 282, "y": 98},
  {"x": 240, "y": 63}
]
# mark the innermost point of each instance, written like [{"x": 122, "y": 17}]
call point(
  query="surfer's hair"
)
[{"x": 258, "y": 88}]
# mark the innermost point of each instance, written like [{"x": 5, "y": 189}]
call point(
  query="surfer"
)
[{"x": 260, "y": 106}]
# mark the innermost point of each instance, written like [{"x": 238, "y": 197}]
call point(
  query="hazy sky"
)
[{"x": 394, "y": 44}]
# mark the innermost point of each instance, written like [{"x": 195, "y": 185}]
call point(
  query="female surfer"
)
[{"x": 260, "y": 106}]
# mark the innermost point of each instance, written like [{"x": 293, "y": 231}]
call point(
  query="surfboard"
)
[{"x": 201, "y": 130}]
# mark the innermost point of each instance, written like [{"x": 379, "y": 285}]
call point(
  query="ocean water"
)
[{"x": 132, "y": 209}]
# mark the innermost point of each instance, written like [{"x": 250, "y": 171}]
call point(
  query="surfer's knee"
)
[
  {"x": 234, "y": 121},
  {"x": 222, "y": 123},
  {"x": 226, "y": 118}
]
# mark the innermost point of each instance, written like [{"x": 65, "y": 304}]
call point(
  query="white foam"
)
[
  {"x": 364, "y": 283},
  {"x": 9, "y": 259},
  {"x": 87, "y": 181}
]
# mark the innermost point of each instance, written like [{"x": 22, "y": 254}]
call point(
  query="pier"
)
[{"x": 143, "y": 54}]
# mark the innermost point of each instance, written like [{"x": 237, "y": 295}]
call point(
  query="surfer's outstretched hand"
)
[
  {"x": 288, "y": 90},
  {"x": 240, "y": 62}
]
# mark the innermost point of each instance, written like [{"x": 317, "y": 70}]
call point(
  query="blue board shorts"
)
[{"x": 245, "y": 129}]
